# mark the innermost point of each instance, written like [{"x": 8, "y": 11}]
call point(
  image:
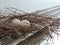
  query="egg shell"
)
[
  {"x": 16, "y": 22},
  {"x": 25, "y": 23}
]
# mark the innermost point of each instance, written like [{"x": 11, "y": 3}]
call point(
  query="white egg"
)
[
  {"x": 25, "y": 23},
  {"x": 16, "y": 22}
]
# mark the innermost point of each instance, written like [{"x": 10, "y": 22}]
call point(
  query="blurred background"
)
[{"x": 29, "y": 5}]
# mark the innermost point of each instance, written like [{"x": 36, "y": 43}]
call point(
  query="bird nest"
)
[{"x": 45, "y": 25}]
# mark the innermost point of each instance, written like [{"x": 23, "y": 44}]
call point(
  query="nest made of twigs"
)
[{"x": 40, "y": 23}]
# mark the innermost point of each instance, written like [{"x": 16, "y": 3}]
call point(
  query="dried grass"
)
[{"x": 40, "y": 23}]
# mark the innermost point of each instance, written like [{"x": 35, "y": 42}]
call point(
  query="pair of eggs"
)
[{"x": 17, "y": 22}]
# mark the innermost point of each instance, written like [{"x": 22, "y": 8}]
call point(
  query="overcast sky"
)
[{"x": 29, "y": 5}]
